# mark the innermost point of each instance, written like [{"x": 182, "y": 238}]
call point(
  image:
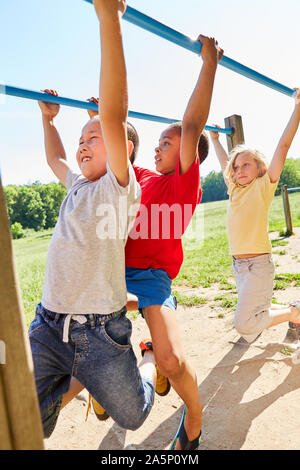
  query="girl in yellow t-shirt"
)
[{"x": 251, "y": 186}]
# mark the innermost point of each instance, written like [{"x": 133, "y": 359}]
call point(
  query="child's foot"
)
[
  {"x": 98, "y": 409},
  {"x": 163, "y": 386},
  {"x": 295, "y": 308},
  {"x": 292, "y": 338},
  {"x": 181, "y": 440}
]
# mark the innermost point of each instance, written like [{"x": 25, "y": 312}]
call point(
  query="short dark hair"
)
[
  {"x": 203, "y": 144},
  {"x": 131, "y": 135},
  {"x": 134, "y": 137}
]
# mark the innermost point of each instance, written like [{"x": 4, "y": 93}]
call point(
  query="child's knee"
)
[
  {"x": 171, "y": 364},
  {"x": 240, "y": 325},
  {"x": 243, "y": 326},
  {"x": 134, "y": 417},
  {"x": 251, "y": 324}
]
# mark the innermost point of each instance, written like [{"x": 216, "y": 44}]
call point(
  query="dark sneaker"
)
[{"x": 292, "y": 338}]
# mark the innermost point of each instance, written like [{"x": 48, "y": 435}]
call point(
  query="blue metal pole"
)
[
  {"x": 155, "y": 27},
  {"x": 36, "y": 95},
  {"x": 293, "y": 190}
]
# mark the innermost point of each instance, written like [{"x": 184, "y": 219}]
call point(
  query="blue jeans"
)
[{"x": 99, "y": 354}]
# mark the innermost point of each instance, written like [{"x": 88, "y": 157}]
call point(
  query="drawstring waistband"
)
[
  {"x": 79, "y": 318},
  {"x": 93, "y": 318}
]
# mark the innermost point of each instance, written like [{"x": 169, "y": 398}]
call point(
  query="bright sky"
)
[{"x": 55, "y": 44}]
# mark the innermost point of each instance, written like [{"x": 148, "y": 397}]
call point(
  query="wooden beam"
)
[
  {"x": 237, "y": 137},
  {"x": 5, "y": 431},
  {"x": 19, "y": 406},
  {"x": 287, "y": 210}
]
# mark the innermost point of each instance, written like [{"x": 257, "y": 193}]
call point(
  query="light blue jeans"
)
[{"x": 99, "y": 354}]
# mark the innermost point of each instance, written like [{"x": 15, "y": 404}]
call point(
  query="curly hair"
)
[{"x": 203, "y": 144}]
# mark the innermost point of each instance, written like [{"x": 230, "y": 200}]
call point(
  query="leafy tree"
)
[
  {"x": 290, "y": 174},
  {"x": 34, "y": 206},
  {"x": 28, "y": 209},
  {"x": 52, "y": 195},
  {"x": 17, "y": 230},
  {"x": 11, "y": 194},
  {"x": 214, "y": 187}
]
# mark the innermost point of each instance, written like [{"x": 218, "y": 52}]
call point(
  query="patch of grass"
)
[
  {"x": 189, "y": 301},
  {"x": 286, "y": 351},
  {"x": 282, "y": 281},
  {"x": 281, "y": 252},
  {"x": 226, "y": 286},
  {"x": 279, "y": 242},
  {"x": 229, "y": 303},
  {"x": 226, "y": 302},
  {"x": 133, "y": 315},
  {"x": 276, "y": 215},
  {"x": 31, "y": 254}
]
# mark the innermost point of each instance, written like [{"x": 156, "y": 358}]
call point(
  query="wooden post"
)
[
  {"x": 20, "y": 421},
  {"x": 287, "y": 211},
  {"x": 237, "y": 138},
  {"x": 5, "y": 432}
]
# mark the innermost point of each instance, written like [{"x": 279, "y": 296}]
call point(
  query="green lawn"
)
[
  {"x": 206, "y": 261},
  {"x": 30, "y": 254}
]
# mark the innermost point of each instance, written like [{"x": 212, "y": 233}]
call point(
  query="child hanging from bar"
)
[
  {"x": 251, "y": 186},
  {"x": 80, "y": 328},
  {"x": 154, "y": 258}
]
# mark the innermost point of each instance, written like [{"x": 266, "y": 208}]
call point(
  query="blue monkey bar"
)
[
  {"x": 36, "y": 95},
  {"x": 293, "y": 190},
  {"x": 148, "y": 23}
]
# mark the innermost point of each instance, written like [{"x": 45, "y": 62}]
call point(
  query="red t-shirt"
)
[{"x": 167, "y": 206}]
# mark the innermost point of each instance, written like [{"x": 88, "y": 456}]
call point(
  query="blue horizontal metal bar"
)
[
  {"x": 36, "y": 95},
  {"x": 154, "y": 26},
  {"x": 293, "y": 190}
]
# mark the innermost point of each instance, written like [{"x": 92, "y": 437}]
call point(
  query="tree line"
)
[{"x": 36, "y": 206}]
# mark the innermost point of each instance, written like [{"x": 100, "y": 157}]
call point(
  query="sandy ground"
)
[{"x": 250, "y": 393}]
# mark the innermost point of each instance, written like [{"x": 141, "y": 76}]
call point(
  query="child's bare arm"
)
[
  {"x": 285, "y": 142},
  {"x": 132, "y": 303},
  {"x": 197, "y": 110},
  {"x": 113, "y": 93},
  {"x": 55, "y": 153},
  {"x": 220, "y": 152}
]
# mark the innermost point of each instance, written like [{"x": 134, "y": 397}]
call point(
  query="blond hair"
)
[{"x": 260, "y": 159}]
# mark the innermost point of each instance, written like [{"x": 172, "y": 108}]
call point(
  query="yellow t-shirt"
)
[{"x": 247, "y": 216}]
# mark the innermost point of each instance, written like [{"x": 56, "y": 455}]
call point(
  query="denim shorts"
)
[
  {"x": 151, "y": 287},
  {"x": 99, "y": 354}
]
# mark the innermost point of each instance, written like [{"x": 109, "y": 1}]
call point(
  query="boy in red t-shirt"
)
[{"x": 154, "y": 252}]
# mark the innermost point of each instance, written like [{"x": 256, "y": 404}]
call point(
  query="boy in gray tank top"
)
[{"x": 80, "y": 328}]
